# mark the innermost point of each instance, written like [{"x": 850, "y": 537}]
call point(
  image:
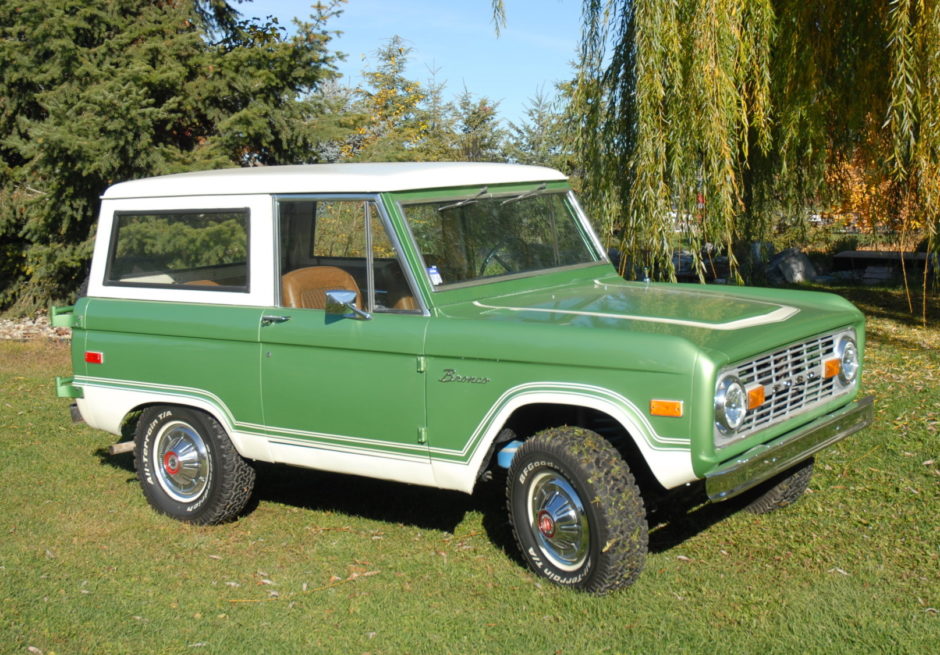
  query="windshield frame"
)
[{"x": 513, "y": 192}]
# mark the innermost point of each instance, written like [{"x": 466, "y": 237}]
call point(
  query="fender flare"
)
[{"x": 668, "y": 458}]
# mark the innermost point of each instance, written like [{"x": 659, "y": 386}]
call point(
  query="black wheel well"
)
[
  {"x": 129, "y": 422},
  {"x": 531, "y": 419}
]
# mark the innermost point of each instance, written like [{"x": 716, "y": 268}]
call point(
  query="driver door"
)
[{"x": 341, "y": 393}]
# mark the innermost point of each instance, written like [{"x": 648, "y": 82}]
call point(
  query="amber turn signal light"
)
[
  {"x": 831, "y": 368},
  {"x": 670, "y": 408},
  {"x": 755, "y": 397}
]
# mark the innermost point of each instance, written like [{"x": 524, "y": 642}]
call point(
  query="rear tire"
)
[
  {"x": 188, "y": 467},
  {"x": 577, "y": 514},
  {"x": 783, "y": 490}
]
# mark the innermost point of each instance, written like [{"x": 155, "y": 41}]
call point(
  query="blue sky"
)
[{"x": 456, "y": 39}]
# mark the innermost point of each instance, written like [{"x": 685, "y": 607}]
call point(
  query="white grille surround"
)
[{"x": 793, "y": 380}]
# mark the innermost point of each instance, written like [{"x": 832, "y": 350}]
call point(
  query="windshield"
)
[{"x": 482, "y": 236}]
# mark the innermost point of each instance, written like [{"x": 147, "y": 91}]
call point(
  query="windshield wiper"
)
[
  {"x": 528, "y": 194},
  {"x": 465, "y": 201}
]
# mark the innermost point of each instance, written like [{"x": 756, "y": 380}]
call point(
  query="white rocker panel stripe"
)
[
  {"x": 208, "y": 401},
  {"x": 107, "y": 402},
  {"x": 385, "y": 466}
]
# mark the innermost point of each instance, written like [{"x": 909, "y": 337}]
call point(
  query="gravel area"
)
[{"x": 30, "y": 329}]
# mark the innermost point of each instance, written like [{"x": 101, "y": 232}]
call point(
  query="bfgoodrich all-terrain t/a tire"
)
[
  {"x": 576, "y": 511},
  {"x": 783, "y": 490},
  {"x": 188, "y": 467}
]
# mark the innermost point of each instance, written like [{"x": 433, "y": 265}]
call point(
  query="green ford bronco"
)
[{"x": 437, "y": 324}]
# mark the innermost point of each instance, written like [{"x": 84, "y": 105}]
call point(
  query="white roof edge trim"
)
[{"x": 332, "y": 178}]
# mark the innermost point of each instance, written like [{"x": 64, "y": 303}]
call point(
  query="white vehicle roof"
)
[{"x": 332, "y": 178}]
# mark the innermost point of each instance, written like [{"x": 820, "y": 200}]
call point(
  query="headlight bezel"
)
[
  {"x": 848, "y": 348},
  {"x": 730, "y": 387}
]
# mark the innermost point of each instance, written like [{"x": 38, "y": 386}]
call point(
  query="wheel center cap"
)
[
  {"x": 546, "y": 524},
  {"x": 171, "y": 463}
]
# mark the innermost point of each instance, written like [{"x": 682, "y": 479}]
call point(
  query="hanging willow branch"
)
[
  {"x": 913, "y": 117},
  {"x": 675, "y": 93},
  {"x": 734, "y": 118}
]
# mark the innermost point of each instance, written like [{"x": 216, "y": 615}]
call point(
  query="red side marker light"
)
[{"x": 93, "y": 357}]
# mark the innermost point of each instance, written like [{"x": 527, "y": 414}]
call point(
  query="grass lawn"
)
[{"x": 333, "y": 564}]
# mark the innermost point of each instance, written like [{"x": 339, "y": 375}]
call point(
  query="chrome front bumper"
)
[{"x": 767, "y": 460}]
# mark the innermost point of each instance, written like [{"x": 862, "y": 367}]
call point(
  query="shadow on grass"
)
[
  {"x": 888, "y": 303},
  {"x": 671, "y": 523},
  {"x": 682, "y": 518},
  {"x": 379, "y": 500},
  {"x": 368, "y": 498},
  {"x": 121, "y": 462},
  {"x": 918, "y": 341}
]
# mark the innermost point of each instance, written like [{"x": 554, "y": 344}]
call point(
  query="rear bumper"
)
[{"x": 767, "y": 460}]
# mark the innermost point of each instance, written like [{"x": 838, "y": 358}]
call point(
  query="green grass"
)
[{"x": 334, "y": 564}]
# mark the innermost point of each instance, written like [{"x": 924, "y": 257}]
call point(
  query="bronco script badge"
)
[{"x": 451, "y": 375}]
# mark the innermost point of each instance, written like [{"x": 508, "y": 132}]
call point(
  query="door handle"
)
[{"x": 269, "y": 319}]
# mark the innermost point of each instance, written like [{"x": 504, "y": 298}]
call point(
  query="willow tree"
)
[
  {"x": 731, "y": 115},
  {"x": 914, "y": 118},
  {"x": 675, "y": 95}
]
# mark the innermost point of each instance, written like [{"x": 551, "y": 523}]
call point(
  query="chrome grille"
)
[{"x": 793, "y": 382}]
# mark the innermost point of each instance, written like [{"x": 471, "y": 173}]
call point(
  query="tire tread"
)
[
  {"x": 616, "y": 498},
  {"x": 235, "y": 477},
  {"x": 784, "y": 490}
]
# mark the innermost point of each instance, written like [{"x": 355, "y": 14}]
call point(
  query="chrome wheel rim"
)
[
  {"x": 558, "y": 521},
  {"x": 181, "y": 459}
]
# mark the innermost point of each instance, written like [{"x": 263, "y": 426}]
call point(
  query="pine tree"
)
[
  {"x": 541, "y": 138},
  {"x": 480, "y": 137},
  {"x": 93, "y": 92},
  {"x": 391, "y": 107}
]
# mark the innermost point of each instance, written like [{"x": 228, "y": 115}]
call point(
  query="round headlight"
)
[
  {"x": 848, "y": 360},
  {"x": 730, "y": 403}
]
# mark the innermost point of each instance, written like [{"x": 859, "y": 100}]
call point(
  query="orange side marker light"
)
[{"x": 669, "y": 408}]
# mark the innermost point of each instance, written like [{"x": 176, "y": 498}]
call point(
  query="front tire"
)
[
  {"x": 576, "y": 511},
  {"x": 783, "y": 490},
  {"x": 188, "y": 467}
]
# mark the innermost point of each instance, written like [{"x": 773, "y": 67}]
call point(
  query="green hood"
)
[{"x": 735, "y": 321}]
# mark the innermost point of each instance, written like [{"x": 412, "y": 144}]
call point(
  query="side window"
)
[
  {"x": 340, "y": 229},
  {"x": 198, "y": 249},
  {"x": 341, "y": 244}
]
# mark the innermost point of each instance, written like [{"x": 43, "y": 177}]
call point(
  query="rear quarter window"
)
[{"x": 199, "y": 249}]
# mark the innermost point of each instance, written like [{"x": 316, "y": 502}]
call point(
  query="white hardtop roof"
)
[{"x": 332, "y": 178}]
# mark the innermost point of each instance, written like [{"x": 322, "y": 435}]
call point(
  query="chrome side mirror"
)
[{"x": 342, "y": 303}]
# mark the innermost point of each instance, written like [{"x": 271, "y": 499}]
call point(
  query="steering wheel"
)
[{"x": 499, "y": 253}]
